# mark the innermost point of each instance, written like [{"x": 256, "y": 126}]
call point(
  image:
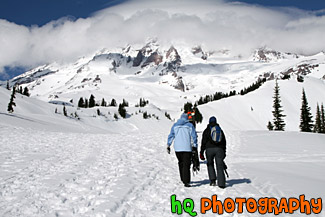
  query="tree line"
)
[{"x": 220, "y": 95}]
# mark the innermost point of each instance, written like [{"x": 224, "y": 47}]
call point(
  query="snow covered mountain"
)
[{"x": 169, "y": 76}]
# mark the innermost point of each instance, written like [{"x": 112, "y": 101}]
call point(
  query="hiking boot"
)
[
  {"x": 222, "y": 187},
  {"x": 213, "y": 183},
  {"x": 187, "y": 185}
]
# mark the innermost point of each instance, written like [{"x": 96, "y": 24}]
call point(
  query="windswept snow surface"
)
[{"x": 78, "y": 174}]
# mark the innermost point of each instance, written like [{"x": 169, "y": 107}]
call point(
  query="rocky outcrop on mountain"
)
[
  {"x": 199, "y": 52},
  {"x": 154, "y": 58},
  {"x": 268, "y": 55},
  {"x": 138, "y": 59},
  {"x": 30, "y": 77},
  {"x": 180, "y": 84},
  {"x": 146, "y": 55},
  {"x": 173, "y": 61},
  {"x": 302, "y": 69}
]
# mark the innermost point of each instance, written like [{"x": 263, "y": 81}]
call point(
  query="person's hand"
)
[
  {"x": 168, "y": 149},
  {"x": 202, "y": 156}
]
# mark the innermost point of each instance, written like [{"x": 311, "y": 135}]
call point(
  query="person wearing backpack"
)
[
  {"x": 214, "y": 143},
  {"x": 183, "y": 134}
]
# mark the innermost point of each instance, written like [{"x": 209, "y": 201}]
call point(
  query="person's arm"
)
[
  {"x": 171, "y": 137},
  {"x": 224, "y": 142},
  {"x": 204, "y": 141},
  {"x": 194, "y": 136}
]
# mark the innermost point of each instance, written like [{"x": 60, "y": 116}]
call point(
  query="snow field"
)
[{"x": 74, "y": 174}]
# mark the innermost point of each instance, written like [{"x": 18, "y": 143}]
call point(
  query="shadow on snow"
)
[{"x": 229, "y": 183}]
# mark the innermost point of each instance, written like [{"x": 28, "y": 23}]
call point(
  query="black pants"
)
[
  {"x": 216, "y": 154},
  {"x": 184, "y": 164}
]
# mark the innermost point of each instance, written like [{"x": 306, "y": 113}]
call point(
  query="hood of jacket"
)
[{"x": 182, "y": 120}]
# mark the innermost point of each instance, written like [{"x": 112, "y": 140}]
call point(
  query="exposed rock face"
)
[
  {"x": 33, "y": 76},
  {"x": 173, "y": 59},
  {"x": 303, "y": 69},
  {"x": 268, "y": 55},
  {"x": 153, "y": 58},
  {"x": 172, "y": 63},
  {"x": 265, "y": 55},
  {"x": 198, "y": 51},
  {"x": 138, "y": 60},
  {"x": 180, "y": 84}
]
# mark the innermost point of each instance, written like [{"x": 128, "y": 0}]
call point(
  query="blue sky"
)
[{"x": 40, "y": 12}]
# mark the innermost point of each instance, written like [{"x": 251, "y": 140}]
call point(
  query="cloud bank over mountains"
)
[{"x": 214, "y": 25}]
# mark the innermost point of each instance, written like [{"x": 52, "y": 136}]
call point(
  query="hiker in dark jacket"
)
[
  {"x": 183, "y": 134},
  {"x": 215, "y": 151}
]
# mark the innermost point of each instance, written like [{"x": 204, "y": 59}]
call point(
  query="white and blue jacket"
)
[{"x": 183, "y": 133}]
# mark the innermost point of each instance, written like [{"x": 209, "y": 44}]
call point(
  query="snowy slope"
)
[
  {"x": 36, "y": 114},
  {"x": 253, "y": 110}
]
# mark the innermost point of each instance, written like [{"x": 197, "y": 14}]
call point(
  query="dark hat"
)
[{"x": 213, "y": 120}]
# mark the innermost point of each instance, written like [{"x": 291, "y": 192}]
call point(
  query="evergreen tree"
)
[
  {"x": 270, "y": 126},
  {"x": 277, "y": 112},
  {"x": 200, "y": 102},
  {"x": 306, "y": 122},
  {"x": 188, "y": 107},
  {"x": 11, "y": 102},
  {"x": 198, "y": 115},
  {"x": 145, "y": 115},
  {"x": 143, "y": 102},
  {"x": 322, "y": 119},
  {"x": 21, "y": 90},
  {"x": 76, "y": 116},
  {"x": 92, "y": 102},
  {"x": 104, "y": 103},
  {"x": 81, "y": 103},
  {"x": 318, "y": 121},
  {"x": 167, "y": 115},
  {"x": 113, "y": 103},
  {"x": 65, "y": 111},
  {"x": 86, "y": 103},
  {"x": 56, "y": 110},
  {"x": 115, "y": 116},
  {"x": 8, "y": 87},
  {"x": 26, "y": 92},
  {"x": 98, "y": 112},
  {"x": 125, "y": 103},
  {"x": 122, "y": 111}
]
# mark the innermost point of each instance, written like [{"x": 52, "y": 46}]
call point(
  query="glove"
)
[
  {"x": 202, "y": 156},
  {"x": 168, "y": 149}
]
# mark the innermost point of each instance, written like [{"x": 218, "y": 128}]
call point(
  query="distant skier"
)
[
  {"x": 183, "y": 134},
  {"x": 214, "y": 143}
]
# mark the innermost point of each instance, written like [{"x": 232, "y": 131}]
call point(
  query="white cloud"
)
[{"x": 210, "y": 23}]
